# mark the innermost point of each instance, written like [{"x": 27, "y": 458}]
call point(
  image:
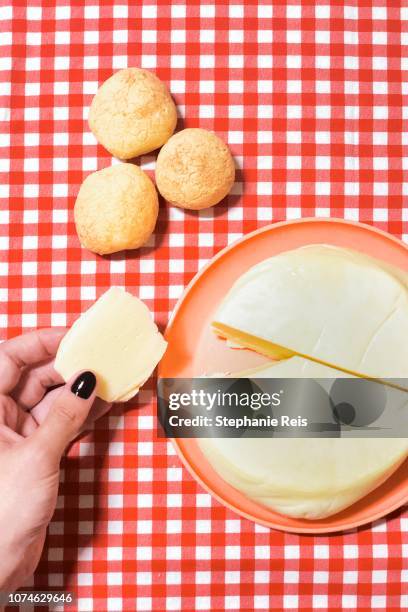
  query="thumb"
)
[{"x": 67, "y": 414}]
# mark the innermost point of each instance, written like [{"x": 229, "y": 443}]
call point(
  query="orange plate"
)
[{"x": 194, "y": 350}]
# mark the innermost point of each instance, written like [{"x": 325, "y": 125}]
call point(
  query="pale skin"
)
[{"x": 35, "y": 429}]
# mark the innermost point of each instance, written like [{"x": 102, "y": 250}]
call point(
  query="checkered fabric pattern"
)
[{"x": 310, "y": 98}]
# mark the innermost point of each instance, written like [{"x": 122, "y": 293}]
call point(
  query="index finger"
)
[{"x": 25, "y": 350}]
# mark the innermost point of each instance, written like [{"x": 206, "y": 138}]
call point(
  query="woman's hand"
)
[{"x": 35, "y": 429}]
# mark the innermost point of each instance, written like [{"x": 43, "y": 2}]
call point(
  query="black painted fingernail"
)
[{"x": 84, "y": 385}]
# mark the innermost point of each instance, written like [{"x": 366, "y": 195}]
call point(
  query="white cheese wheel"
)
[
  {"x": 116, "y": 339},
  {"x": 341, "y": 307},
  {"x": 309, "y": 478}
]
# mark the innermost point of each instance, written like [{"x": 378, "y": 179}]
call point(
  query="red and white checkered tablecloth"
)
[{"x": 310, "y": 98}]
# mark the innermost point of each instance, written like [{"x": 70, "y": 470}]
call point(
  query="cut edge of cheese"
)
[{"x": 275, "y": 352}]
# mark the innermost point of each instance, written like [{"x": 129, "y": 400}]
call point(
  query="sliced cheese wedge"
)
[
  {"x": 116, "y": 339},
  {"x": 309, "y": 478},
  {"x": 339, "y": 307},
  {"x": 239, "y": 339}
]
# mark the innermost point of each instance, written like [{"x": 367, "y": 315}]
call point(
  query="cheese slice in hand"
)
[
  {"x": 338, "y": 306},
  {"x": 309, "y": 478},
  {"x": 116, "y": 339}
]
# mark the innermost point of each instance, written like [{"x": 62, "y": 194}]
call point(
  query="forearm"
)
[
  {"x": 16, "y": 546},
  {"x": 18, "y": 560},
  {"x": 13, "y": 568}
]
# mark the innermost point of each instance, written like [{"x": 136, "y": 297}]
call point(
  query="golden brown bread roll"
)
[
  {"x": 132, "y": 113},
  {"x": 116, "y": 209},
  {"x": 195, "y": 169}
]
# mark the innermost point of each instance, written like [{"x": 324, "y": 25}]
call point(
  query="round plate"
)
[{"x": 194, "y": 350}]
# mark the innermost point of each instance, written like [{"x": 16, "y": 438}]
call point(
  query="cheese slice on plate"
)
[
  {"x": 116, "y": 339},
  {"x": 338, "y": 306},
  {"x": 309, "y": 478}
]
